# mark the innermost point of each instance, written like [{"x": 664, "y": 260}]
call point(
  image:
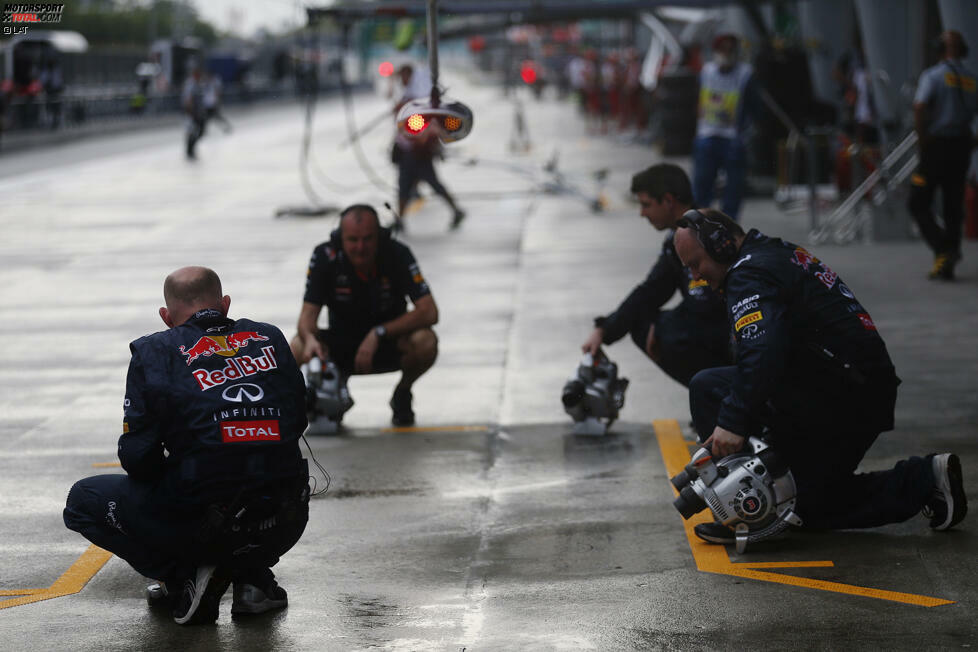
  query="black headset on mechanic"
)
[
  {"x": 716, "y": 237},
  {"x": 384, "y": 233}
]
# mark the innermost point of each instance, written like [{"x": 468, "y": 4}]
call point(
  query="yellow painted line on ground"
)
[
  {"x": 712, "y": 558},
  {"x": 71, "y": 581},
  {"x": 786, "y": 564},
  {"x": 437, "y": 429},
  {"x": 106, "y": 465}
]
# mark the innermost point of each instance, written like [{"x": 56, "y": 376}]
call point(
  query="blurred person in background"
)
[
  {"x": 212, "y": 101},
  {"x": 859, "y": 111},
  {"x": 6, "y": 92},
  {"x": 577, "y": 76},
  {"x": 592, "y": 90},
  {"x": 944, "y": 107},
  {"x": 631, "y": 106},
  {"x": 54, "y": 85},
  {"x": 612, "y": 86},
  {"x": 728, "y": 102},
  {"x": 415, "y": 155},
  {"x": 192, "y": 100}
]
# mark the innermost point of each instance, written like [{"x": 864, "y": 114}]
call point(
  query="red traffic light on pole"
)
[
  {"x": 450, "y": 120},
  {"x": 447, "y": 119}
]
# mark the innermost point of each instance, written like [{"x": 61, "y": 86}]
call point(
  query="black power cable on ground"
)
[
  {"x": 307, "y": 159},
  {"x": 352, "y": 137},
  {"x": 319, "y": 208}
]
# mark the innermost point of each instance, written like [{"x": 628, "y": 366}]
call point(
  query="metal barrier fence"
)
[{"x": 80, "y": 107}]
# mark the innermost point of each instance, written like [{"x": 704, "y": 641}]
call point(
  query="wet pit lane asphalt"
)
[{"x": 489, "y": 527}]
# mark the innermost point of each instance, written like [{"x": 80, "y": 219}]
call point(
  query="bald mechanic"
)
[
  {"x": 365, "y": 277},
  {"x": 216, "y": 489},
  {"x": 811, "y": 366}
]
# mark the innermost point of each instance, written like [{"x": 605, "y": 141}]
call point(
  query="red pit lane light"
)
[
  {"x": 386, "y": 69},
  {"x": 415, "y": 123},
  {"x": 528, "y": 72},
  {"x": 452, "y": 120}
]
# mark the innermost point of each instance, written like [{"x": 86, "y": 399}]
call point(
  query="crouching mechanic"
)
[
  {"x": 363, "y": 275},
  {"x": 216, "y": 489},
  {"x": 812, "y": 368},
  {"x": 692, "y": 336}
]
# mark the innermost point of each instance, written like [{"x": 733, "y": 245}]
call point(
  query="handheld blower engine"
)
[
  {"x": 327, "y": 397},
  {"x": 751, "y": 492},
  {"x": 595, "y": 395}
]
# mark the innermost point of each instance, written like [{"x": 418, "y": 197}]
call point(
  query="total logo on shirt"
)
[{"x": 238, "y": 431}]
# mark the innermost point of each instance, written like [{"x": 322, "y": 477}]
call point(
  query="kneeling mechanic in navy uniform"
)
[
  {"x": 363, "y": 275},
  {"x": 217, "y": 489},
  {"x": 812, "y": 368}
]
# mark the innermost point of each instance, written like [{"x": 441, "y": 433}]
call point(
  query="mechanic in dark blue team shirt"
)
[
  {"x": 811, "y": 367},
  {"x": 692, "y": 336},
  {"x": 364, "y": 276},
  {"x": 217, "y": 489}
]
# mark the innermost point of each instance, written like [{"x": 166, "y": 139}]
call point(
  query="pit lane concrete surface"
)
[{"x": 488, "y": 526}]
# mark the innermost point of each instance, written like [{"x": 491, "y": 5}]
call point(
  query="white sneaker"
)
[
  {"x": 201, "y": 597},
  {"x": 949, "y": 505}
]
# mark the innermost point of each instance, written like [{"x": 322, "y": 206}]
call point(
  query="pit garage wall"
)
[
  {"x": 894, "y": 42},
  {"x": 828, "y": 29}
]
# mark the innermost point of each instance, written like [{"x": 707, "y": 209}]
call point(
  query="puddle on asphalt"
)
[
  {"x": 371, "y": 612},
  {"x": 612, "y": 448},
  {"x": 342, "y": 493}
]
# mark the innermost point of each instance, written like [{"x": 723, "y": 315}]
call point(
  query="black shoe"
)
[
  {"x": 252, "y": 599},
  {"x": 457, "y": 219},
  {"x": 401, "y": 404},
  {"x": 949, "y": 505},
  {"x": 943, "y": 269},
  {"x": 715, "y": 533},
  {"x": 201, "y": 598}
]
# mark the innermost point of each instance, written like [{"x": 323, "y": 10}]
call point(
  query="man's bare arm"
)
[{"x": 424, "y": 315}]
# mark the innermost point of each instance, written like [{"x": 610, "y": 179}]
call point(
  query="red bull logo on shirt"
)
[
  {"x": 803, "y": 259},
  {"x": 236, "y": 368},
  {"x": 223, "y": 345}
]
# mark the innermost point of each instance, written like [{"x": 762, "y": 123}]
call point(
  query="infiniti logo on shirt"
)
[{"x": 243, "y": 392}]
